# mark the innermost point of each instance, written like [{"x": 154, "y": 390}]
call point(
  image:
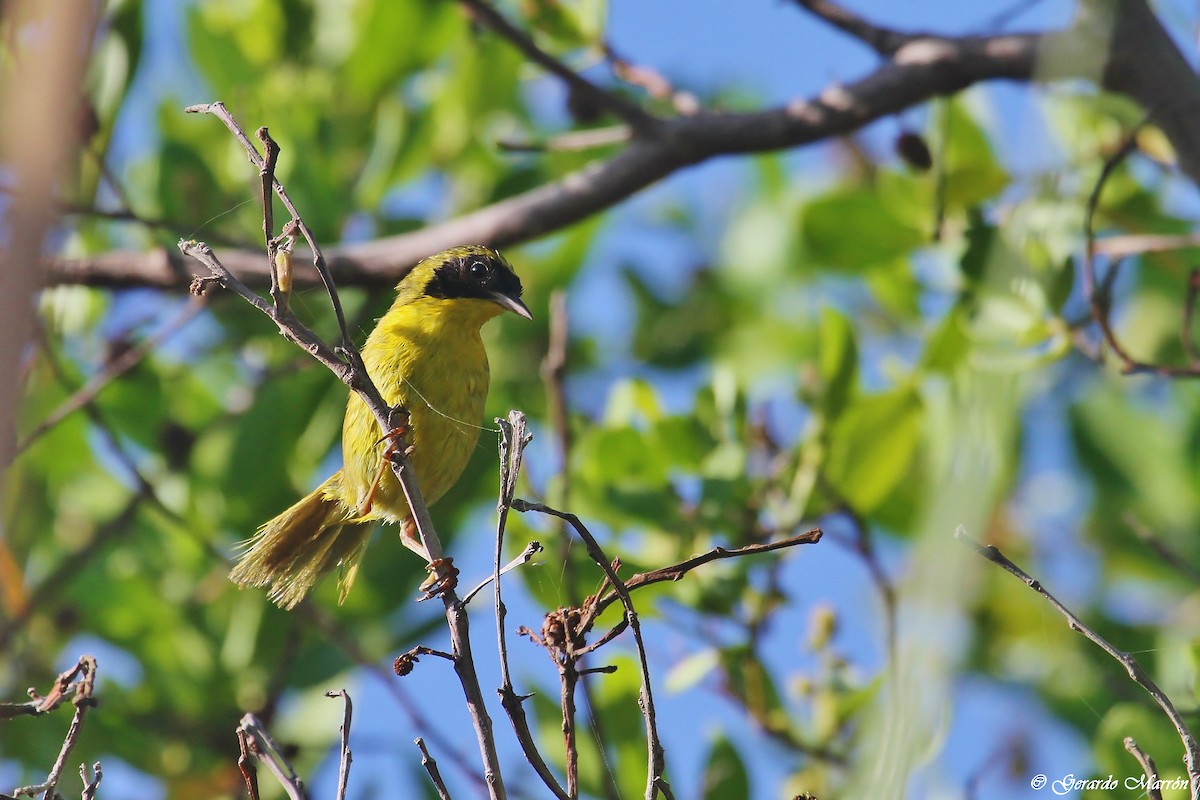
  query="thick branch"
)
[
  {"x": 921, "y": 71},
  {"x": 1144, "y": 64}
]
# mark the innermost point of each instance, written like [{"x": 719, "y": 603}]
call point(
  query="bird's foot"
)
[
  {"x": 394, "y": 438},
  {"x": 443, "y": 576}
]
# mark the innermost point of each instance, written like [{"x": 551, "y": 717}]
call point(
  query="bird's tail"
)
[{"x": 292, "y": 551}]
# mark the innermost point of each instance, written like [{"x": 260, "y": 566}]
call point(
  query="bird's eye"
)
[{"x": 478, "y": 270}]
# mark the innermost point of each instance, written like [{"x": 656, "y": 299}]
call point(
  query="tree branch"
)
[
  {"x": 431, "y": 767},
  {"x": 655, "y": 780},
  {"x": 1138, "y": 675},
  {"x": 884, "y": 41},
  {"x": 347, "y": 364},
  {"x": 630, "y": 112},
  {"x": 513, "y": 441},
  {"x": 345, "y": 755},
  {"x": 1144, "y": 63},
  {"x": 1153, "y": 790},
  {"x": 85, "y": 671},
  {"x": 918, "y": 74},
  {"x": 256, "y": 741}
]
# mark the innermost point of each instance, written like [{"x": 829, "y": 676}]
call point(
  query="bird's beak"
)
[{"x": 512, "y": 304}]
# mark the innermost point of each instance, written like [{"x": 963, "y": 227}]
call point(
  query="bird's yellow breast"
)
[{"x": 427, "y": 356}]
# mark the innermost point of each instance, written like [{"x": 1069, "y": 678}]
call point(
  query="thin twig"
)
[
  {"x": 884, "y": 41},
  {"x": 1135, "y": 244},
  {"x": 111, "y": 370},
  {"x": 633, "y": 114},
  {"x": 266, "y": 174},
  {"x": 65, "y": 687},
  {"x": 676, "y": 572},
  {"x": 652, "y": 81},
  {"x": 220, "y": 112},
  {"x": 1132, "y": 667},
  {"x": 245, "y": 763},
  {"x": 345, "y": 757},
  {"x": 531, "y": 549},
  {"x": 258, "y": 743},
  {"x": 92, "y": 785},
  {"x": 865, "y": 548},
  {"x": 1153, "y": 786},
  {"x": 1099, "y": 297},
  {"x": 431, "y": 767},
  {"x": 85, "y": 670},
  {"x": 514, "y": 438},
  {"x": 568, "y": 679},
  {"x": 403, "y": 663},
  {"x": 655, "y": 781},
  {"x": 554, "y": 375},
  {"x": 1167, "y": 554}
]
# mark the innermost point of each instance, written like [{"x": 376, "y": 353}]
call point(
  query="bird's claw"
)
[
  {"x": 443, "y": 576},
  {"x": 394, "y": 438}
]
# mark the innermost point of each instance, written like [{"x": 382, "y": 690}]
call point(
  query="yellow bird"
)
[{"x": 427, "y": 356}]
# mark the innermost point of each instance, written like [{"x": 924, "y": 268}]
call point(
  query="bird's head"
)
[{"x": 472, "y": 273}]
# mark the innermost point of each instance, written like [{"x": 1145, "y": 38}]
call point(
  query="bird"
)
[{"x": 425, "y": 355}]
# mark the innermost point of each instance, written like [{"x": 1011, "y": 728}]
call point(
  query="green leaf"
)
[
  {"x": 970, "y": 172},
  {"x": 873, "y": 447},
  {"x": 725, "y": 775},
  {"x": 948, "y": 344},
  {"x": 980, "y": 237},
  {"x": 838, "y": 360},
  {"x": 691, "y": 670},
  {"x": 853, "y": 229}
]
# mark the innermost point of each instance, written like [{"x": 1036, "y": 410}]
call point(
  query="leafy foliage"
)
[{"x": 883, "y": 352}]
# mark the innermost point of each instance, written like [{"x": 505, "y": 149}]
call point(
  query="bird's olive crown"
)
[{"x": 473, "y": 272}]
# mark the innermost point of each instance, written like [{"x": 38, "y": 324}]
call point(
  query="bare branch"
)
[
  {"x": 431, "y": 767},
  {"x": 884, "y": 41},
  {"x": 1145, "y": 64},
  {"x": 1099, "y": 295},
  {"x": 1153, "y": 789},
  {"x": 513, "y": 440},
  {"x": 676, "y": 572},
  {"x": 1126, "y": 660},
  {"x": 531, "y": 549},
  {"x": 267, "y": 171},
  {"x": 630, "y": 112},
  {"x": 257, "y": 742},
  {"x": 345, "y": 757},
  {"x": 655, "y": 781},
  {"x": 246, "y": 763},
  {"x": 677, "y": 143},
  {"x": 65, "y": 686},
  {"x": 92, "y": 785},
  {"x": 1166, "y": 554},
  {"x": 406, "y": 661},
  {"x": 85, "y": 670},
  {"x": 570, "y": 142}
]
